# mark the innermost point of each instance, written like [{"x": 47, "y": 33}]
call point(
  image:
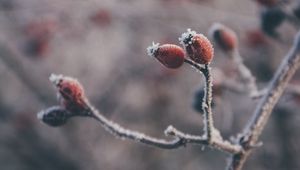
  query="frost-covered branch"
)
[
  {"x": 74, "y": 103},
  {"x": 247, "y": 79},
  {"x": 206, "y": 106},
  {"x": 264, "y": 109}
]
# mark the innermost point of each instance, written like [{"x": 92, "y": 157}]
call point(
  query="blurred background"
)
[{"x": 103, "y": 44}]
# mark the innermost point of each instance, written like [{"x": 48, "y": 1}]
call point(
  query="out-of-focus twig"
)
[
  {"x": 11, "y": 57},
  {"x": 260, "y": 117},
  {"x": 245, "y": 74}
]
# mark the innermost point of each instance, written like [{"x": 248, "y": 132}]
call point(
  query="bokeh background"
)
[{"x": 103, "y": 44}]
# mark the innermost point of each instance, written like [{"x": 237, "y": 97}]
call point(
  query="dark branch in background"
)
[
  {"x": 11, "y": 57},
  {"x": 262, "y": 113},
  {"x": 283, "y": 118}
]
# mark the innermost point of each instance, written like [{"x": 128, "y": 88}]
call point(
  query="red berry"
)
[
  {"x": 224, "y": 37},
  {"x": 71, "y": 92},
  {"x": 197, "y": 46},
  {"x": 170, "y": 55},
  {"x": 102, "y": 17},
  {"x": 255, "y": 38}
]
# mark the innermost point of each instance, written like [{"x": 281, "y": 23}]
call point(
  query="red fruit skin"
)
[
  {"x": 200, "y": 50},
  {"x": 170, "y": 55},
  {"x": 72, "y": 95}
]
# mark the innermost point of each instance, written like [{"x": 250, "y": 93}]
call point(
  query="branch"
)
[
  {"x": 262, "y": 113},
  {"x": 74, "y": 103},
  {"x": 124, "y": 133},
  {"x": 245, "y": 74},
  {"x": 181, "y": 138},
  {"x": 207, "y": 99},
  {"x": 206, "y": 106}
]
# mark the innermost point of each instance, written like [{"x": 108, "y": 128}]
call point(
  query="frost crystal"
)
[
  {"x": 40, "y": 115},
  {"x": 55, "y": 79},
  {"x": 151, "y": 50},
  {"x": 169, "y": 130},
  {"x": 186, "y": 37}
]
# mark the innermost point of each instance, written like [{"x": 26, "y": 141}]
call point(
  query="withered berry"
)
[
  {"x": 198, "y": 101},
  {"x": 71, "y": 93}
]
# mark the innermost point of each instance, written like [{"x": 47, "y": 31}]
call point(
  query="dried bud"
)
[
  {"x": 197, "y": 46},
  {"x": 271, "y": 18},
  {"x": 170, "y": 55},
  {"x": 70, "y": 92},
  {"x": 224, "y": 37},
  {"x": 54, "y": 116},
  {"x": 198, "y": 100}
]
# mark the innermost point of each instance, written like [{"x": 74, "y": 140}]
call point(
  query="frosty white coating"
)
[
  {"x": 151, "y": 50},
  {"x": 186, "y": 37}
]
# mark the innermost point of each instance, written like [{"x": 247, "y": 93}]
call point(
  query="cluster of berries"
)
[{"x": 195, "y": 46}]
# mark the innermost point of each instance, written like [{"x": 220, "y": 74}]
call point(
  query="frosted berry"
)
[
  {"x": 170, "y": 55},
  {"x": 54, "y": 116},
  {"x": 70, "y": 92},
  {"x": 197, "y": 47},
  {"x": 224, "y": 37}
]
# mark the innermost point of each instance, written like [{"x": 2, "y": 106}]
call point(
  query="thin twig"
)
[
  {"x": 245, "y": 74},
  {"x": 290, "y": 89},
  {"x": 194, "y": 64},
  {"x": 212, "y": 135},
  {"x": 181, "y": 138},
  {"x": 207, "y": 99},
  {"x": 262, "y": 113},
  {"x": 206, "y": 105}
]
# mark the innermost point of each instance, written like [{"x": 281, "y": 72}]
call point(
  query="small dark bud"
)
[
  {"x": 198, "y": 100},
  {"x": 271, "y": 18},
  {"x": 54, "y": 116}
]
